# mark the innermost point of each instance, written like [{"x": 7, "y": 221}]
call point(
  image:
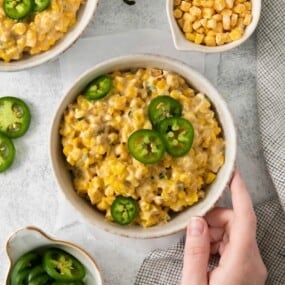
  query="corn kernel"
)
[
  {"x": 177, "y": 13},
  {"x": 189, "y": 17},
  {"x": 208, "y": 13},
  {"x": 247, "y": 19},
  {"x": 190, "y": 37},
  {"x": 187, "y": 27},
  {"x": 177, "y": 2},
  {"x": 234, "y": 20},
  {"x": 230, "y": 4},
  {"x": 195, "y": 11},
  {"x": 185, "y": 6},
  {"x": 210, "y": 41},
  {"x": 235, "y": 34},
  {"x": 198, "y": 38},
  {"x": 212, "y": 24},
  {"x": 219, "y": 5},
  {"x": 207, "y": 3},
  {"x": 226, "y": 22},
  {"x": 240, "y": 8}
]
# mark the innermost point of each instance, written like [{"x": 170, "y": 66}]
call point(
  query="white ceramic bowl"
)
[
  {"x": 216, "y": 189},
  {"x": 85, "y": 14},
  {"x": 30, "y": 238},
  {"x": 181, "y": 43}
]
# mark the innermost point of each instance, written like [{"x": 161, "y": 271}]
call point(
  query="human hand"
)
[{"x": 232, "y": 234}]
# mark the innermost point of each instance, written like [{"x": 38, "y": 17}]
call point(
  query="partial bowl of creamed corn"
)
[
  {"x": 141, "y": 143},
  {"x": 35, "y": 32},
  {"x": 212, "y": 25}
]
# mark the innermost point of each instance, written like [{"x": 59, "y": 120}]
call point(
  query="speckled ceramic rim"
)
[
  {"x": 182, "y": 44},
  {"x": 180, "y": 221},
  {"x": 85, "y": 15},
  {"x": 59, "y": 242}
]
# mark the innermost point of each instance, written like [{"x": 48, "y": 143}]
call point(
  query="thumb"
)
[{"x": 196, "y": 253}]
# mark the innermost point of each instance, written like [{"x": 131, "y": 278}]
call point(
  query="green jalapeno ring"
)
[
  {"x": 178, "y": 134},
  {"x": 62, "y": 266},
  {"x": 7, "y": 152},
  {"x": 23, "y": 266},
  {"x": 99, "y": 87},
  {"x": 41, "y": 5},
  {"x": 18, "y": 9},
  {"x": 15, "y": 117},
  {"x": 124, "y": 210},
  {"x": 163, "y": 107},
  {"x": 146, "y": 146}
]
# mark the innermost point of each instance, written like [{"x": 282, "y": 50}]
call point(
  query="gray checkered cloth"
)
[{"x": 163, "y": 267}]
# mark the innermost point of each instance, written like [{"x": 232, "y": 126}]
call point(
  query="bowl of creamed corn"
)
[
  {"x": 35, "y": 32},
  {"x": 212, "y": 25},
  {"x": 141, "y": 143}
]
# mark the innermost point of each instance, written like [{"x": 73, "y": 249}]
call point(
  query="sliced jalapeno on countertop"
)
[
  {"x": 163, "y": 107},
  {"x": 7, "y": 152},
  {"x": 18, "y": 9},
  {"x": 178, "y": 134},
  {"x": 41, "y": 5},
  {"x": 146, "y": 146},
  {"x": 124, "y": 210},
  {"x": 62, "y": 266},
  {"x": 99, "y": 87},
  {"x": 22, "y": 268},
  {"x": 14, "y": 117}
]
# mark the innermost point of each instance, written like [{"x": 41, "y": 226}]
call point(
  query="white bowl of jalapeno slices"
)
[
  {"x": 141, "y": 143},
  {"x": 36, "y": 258},
  {"x": 36, "y": 31}
]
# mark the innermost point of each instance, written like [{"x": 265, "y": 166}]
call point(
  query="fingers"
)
[
  {"x": 196, "y": 253},
  {"x": 219, "y": 217},
  {"x": 242, "y": 205}
]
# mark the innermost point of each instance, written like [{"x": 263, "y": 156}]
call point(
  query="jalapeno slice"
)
[
  {"x": 67, "y": 283},
  {"x": 17, "y": 9},
  {"x": 62, "y": 266},
  {"x": 146, "y": 146},
  {"x": 163, "y": 107},
  {"x": 99, "y": 87},
  {"x": 41, "y": 5},
  {"x": 124, "y": 210},
  {"x": 14, "y": 117},
  {"x": 178, "y": 134},
  {"x": 22, "y": 268},
  {"x": 7, "y": 152}
]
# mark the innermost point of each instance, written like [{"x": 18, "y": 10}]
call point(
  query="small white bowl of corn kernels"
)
[{"x": 212, "y": 25}]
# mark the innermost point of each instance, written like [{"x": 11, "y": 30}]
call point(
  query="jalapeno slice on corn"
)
[
  {"x": 146, "y": 146},
  {"x": 18, "y": 9},
  {"x": 14, "y": 117},
  {"x": 178, "y": 134},
  {"x": 124, "y": 210},
  {"x": 41, "y": 5},
  {"x": 99, "y": 87},
  {"x": 163, "y": 107}
]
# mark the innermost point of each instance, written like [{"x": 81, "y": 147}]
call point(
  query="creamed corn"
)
[
  {"x": 39, "y": 32},
  {"x": 94, "y": 136}
]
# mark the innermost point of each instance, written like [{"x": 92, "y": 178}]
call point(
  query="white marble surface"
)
[{"x": 28, "y": 192}]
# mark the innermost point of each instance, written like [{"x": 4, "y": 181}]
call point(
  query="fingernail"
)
[{"x": 196, "y": 227}]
